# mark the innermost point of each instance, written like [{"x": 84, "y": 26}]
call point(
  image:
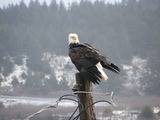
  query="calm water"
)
[{"x": 12, "y": 100}]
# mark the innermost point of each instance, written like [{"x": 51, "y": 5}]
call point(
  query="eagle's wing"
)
[
  {"x": 85, "y": 59},
  {"x": 110, "y": 66},
  {"x": 104, "y": 62}
]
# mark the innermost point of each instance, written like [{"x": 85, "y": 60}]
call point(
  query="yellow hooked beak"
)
[{"x": 74, "y": 37}]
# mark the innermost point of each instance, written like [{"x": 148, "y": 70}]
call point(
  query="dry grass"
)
[
  {"x": 126, "y": 102},
  {"x": 22, "y": 111}
]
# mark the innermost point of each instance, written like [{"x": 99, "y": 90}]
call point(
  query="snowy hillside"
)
[{"x": 135, "y": 74}]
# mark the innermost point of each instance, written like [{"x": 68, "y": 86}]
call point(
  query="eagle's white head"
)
[{"x": 73, "y": 38}]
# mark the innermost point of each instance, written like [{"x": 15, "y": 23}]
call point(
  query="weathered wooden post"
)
[{"x": 86, "y": 99}]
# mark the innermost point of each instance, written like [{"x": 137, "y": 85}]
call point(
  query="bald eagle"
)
[{"x": 88, "y": 60}]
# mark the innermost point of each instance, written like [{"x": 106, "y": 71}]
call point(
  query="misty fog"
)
[{"x": 34, "y": 58}]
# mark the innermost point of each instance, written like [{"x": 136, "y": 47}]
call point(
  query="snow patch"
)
[
  {"x": 61, "y": 66},
  {"x": 135, "y": 73},
  {"x": 17, "y": 72}
]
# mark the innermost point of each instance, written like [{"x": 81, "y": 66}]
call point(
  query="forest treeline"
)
[{"x": 120, "y": 31}]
